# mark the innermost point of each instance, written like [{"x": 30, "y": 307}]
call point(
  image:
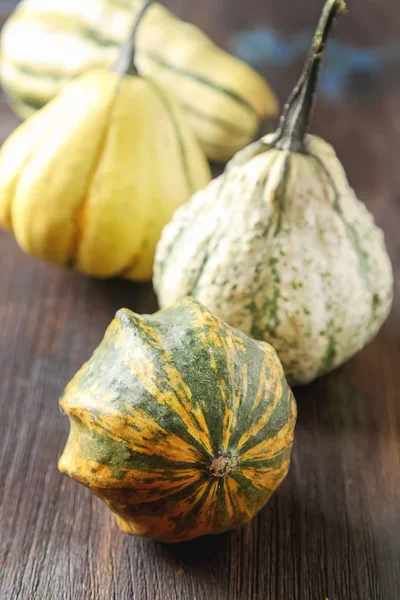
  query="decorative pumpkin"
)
[
  {"x": 46, "y": 43},
  {"x": 180, "y": 423},
  {"x": 92, "y": 178},
  {"x": 280, "y": 247}
]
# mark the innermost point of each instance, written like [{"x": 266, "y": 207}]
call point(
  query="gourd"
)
[
  {"x": 46, "y": 43},
  {"x": 91, "y": 179},
  {"x": 280, "y": 247},
  {"x": 181, "y": 424}
]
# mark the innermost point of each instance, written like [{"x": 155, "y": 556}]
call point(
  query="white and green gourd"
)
[{"x": 280, "y": 247}]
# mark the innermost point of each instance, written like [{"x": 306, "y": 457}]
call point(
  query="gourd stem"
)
[
  {"x": 222, "y": 465},
  {"x": 125, "y": 64},
  {"x": 297, "y": 113}
]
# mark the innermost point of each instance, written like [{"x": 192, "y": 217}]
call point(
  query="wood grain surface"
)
[{"x": 332, "y": 530}]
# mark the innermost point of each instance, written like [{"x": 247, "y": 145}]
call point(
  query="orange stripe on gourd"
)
[
  {"x": 169, "y": 525},
  {"x": 236, "y": 501},
  {"x": 263, "y": 479},
  {"x": 138, "y": 431},
  {"x": 262, "y": 422},
  {"x": 178, "y": 397},
  {"x": 144, "y": 491},
  {"x": 272, "y": 446}
]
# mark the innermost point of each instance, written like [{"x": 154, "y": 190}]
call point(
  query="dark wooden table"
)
[{"x": 332, "y": 529}]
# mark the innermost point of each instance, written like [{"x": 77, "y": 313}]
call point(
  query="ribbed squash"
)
[
  {"x": 91, "y": 179},
  {"x": 48, "y": 42},
  {"x": 181, "y": 424},
  {"x": 280, "y": 247}
]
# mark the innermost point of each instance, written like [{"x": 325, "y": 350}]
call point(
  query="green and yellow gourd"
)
[
  {"x": 180, "y": 423},
  {"x": 46, "y": 43},
  {"x": 91, "y": 179},
  {"x": 280, "y": 247}
]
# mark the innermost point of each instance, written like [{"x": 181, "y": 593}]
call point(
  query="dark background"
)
[{"x": 332, "y": 529}]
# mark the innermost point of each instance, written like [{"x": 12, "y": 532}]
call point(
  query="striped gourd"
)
[
  {"x": 280, "y": 247},
  {"x": 45, "y": 43},
  {"x": 90, "y": 180},
  {"x": 180, "y": 423}
]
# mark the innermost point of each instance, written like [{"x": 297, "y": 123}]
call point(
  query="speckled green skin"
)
[{"x": 280, "y": 247}]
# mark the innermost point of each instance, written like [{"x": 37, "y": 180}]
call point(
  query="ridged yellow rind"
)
[
  {"x": 92, "y": 178},
  {"x": 44, "y": 45}
]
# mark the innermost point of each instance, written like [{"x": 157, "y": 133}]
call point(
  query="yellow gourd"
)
[
  {"x": 46, "y": 43},
  {"x": 93, "y": 177}
]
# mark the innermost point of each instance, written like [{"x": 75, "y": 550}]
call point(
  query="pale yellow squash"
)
[
  {"x": 46, "y": 43},
  {"x": 92, "y": 178}
]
